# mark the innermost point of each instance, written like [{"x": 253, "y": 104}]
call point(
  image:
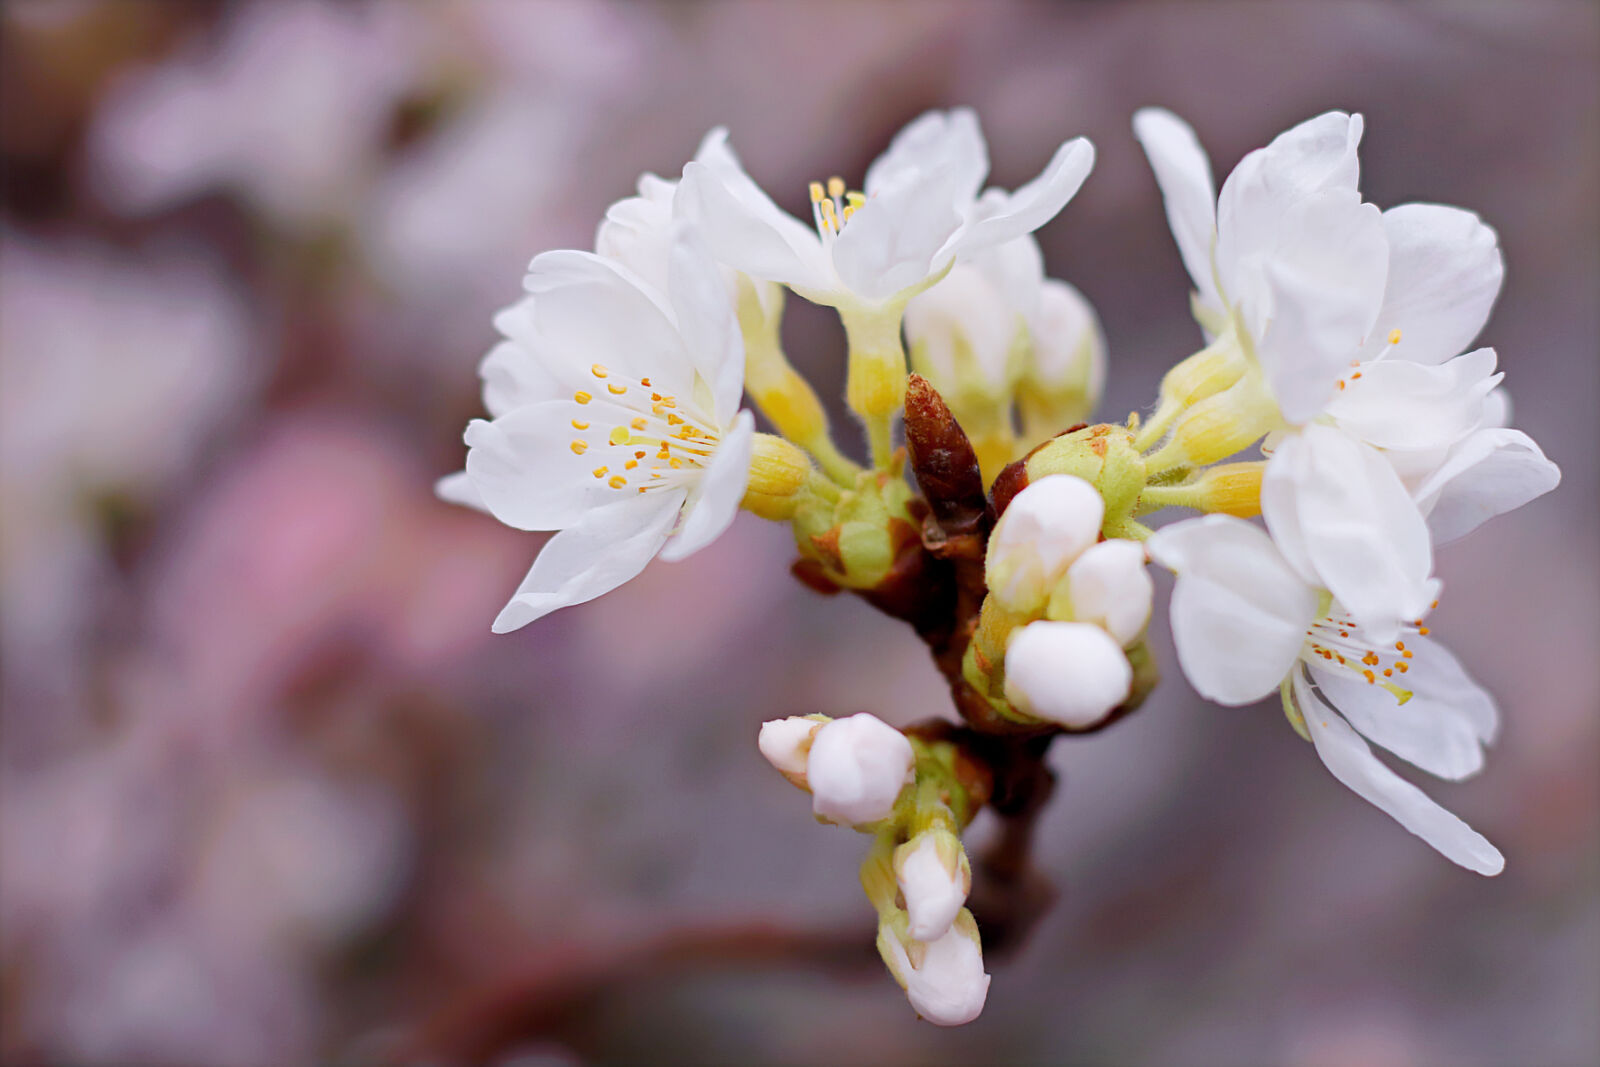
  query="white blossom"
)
[
  {"x": 919, "y": 211},
  {"x": 856, "y": 768},
  {"x": 1044, "y": 528},
  {"x": 1246, "y": 623},
  {"x": 1353, "y": 318},
  {"x": 1071, "y": 673},
  {"x": 944, "y": 978},
  {"x": 615, "y": 421},
  {"x": 934, "y": 878}
]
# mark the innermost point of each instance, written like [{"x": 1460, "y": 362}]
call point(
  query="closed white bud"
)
[
  {"x": 1109, "y": 586},
  {"x": 961, "y": 333},
  {"x": 1072, "y": 673},
  {"x": 934, "y": 877},
  {"x": 1044, "y": 528},
  {"x": 944, "y": 978},
  {"x": 786, "y": 744},
  {"x": 1069, "y": 351},
  {"x": 856, "y": 769}
]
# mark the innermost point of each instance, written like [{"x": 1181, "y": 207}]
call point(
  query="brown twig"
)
[{"x": 549, "y": 997}]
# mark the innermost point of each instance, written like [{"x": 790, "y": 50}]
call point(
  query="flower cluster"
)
[{"x": 1017, "y": 548}]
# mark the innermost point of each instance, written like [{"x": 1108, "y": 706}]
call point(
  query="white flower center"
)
[
  {"x": 832, "y": 207},
  {"x": 1394, "y": 339},
  {"x": 1336, "y": 639},
  {"x": 664, "y": 445}
]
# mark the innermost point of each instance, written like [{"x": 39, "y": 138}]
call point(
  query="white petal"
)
[
  {"x": 1016, "y": 270},
  {"x": 748, "y": 232},
  {"x": 1353, "y": 763},
  {"x": 1320, "y": 290},
  {"x": 1491, "y": 472},
  {"x": 706, "y": 321},
  {"x": 1043, "y": 529},
  {"x": 514, "y": 377},
  {"x": 1110, "y": 587},
  {"x": 1445, "y": 271},
  {"x": 1397, "y": 404},
  {"x": 1339, "y": 512},
  {"x": 786, "y": 743},
  {"x": 856, "y": 769},
  {"x": 1317, "y": 156},
  {"x": 534, "y": 468},
  {"x": 950, "y": 986},
  {"x": 1239, "y": 611},
  {"x": 635, "y": 231},
  {"x": 933, "y": 142},
  {"x": 1072, "y": 673},
  {"x": 457, "y": 489},
  {"x": 590, "y": 310},
  {"x": 606, "y": 548},
  {"x": 716, "y": 499},
  {"x": 1068, "y": 344},
  {"x": 890, "y": 242},
  {"x": 1033, "y": 204},
  {"x": 1184, "y": 174},
  {"x": 962, "y": 327},
  {"x": 1440, "y": 728},
  {"x": 934, "y": 893}
]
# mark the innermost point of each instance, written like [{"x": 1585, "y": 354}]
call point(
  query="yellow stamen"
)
[
  {"x": 600, "y": 472},
  {"x": 579, "y": 425},
  {"x": 836, "y": 187},
  {"x": 582, "y": 397},
  {"x": 580, "y": 447},
  {"x": 617, "y": 481},
  {"x": 1394, "y": 337},
  {"x": 598, "y": 371}
]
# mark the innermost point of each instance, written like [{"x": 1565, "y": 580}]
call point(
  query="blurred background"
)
[{"x": 270, "y": 791}]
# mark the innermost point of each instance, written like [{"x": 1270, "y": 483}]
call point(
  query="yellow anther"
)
[
  {"x": 578, "y": 424},
  {"x": 1394, "y": 337},
  {"x": 632, "y": 463},
  {"x": 645, "y": 382},
  {"x": 580, "y": 447},
  {"x": 616, "y": 390},
  {"x": 582, "y": 397},
  {"x": 598, "y": 371},
  {"x": 639, "y": 423},
  {"x": 816, "y": 192},
  {"x": 675, "y": 463},
  {"x": 849, "y": 209},
  {"x": 619, "y": 436},
  {"x": 617, "y": 481},
  {"x": 855, "y": 199},
  {"x": 600, "y": 472},
  {"x": 674, "y": 420},
  {"x": 829, "y": 218},
  {"x": 1424, "y": 631},
  {"x": 836, "y": 187},
  {"x": 639, "y": 454},
  {"x": 1370, "y": 677},
  {"x": 1408, "y": 654}
]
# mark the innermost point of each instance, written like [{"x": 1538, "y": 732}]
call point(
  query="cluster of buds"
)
[
  {"x": 914, "y": 795},
  {"x": 1017, "y": 547}
]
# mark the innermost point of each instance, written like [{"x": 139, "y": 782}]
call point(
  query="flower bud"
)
[
  {"x": 1063, "y": 378},
  {"x": 961, "y": 332},
  {"x": 1108, "y": 586},
  {"x": 787, "y": 744},
  {"x": 778, "y": 472},
  {"x": 1071, "y": 673},
  {"x": 1043, "y": 529},
  {"x": 856, "y": 768},
  {"x": 934, "y": 877},
  {"x": 944, "y": 978}
]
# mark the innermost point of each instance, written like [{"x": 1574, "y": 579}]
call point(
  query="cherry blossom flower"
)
[
  {"x": 615, "y": 420},
  {"x": 1246, "y": 623}
]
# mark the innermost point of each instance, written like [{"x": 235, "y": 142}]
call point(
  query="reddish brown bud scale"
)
[{"x": 943, "y": 461}]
